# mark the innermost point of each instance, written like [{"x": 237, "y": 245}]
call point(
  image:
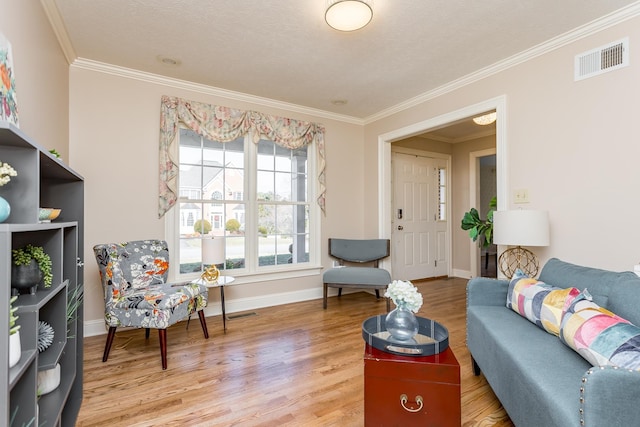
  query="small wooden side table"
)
[{"x": 409, "y": 390}]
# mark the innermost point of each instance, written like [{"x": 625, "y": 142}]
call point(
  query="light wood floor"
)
[{"x": 291, "y": 365}]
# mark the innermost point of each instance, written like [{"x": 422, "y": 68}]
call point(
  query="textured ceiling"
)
[{"x": 283, "y": 50}]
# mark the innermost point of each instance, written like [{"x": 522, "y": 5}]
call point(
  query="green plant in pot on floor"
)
[
  {"x": 31, "y": 265},
  {"x": 480, "y": 228}
]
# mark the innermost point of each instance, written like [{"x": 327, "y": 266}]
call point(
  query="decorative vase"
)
[
  {"x": 401, "y": 323},
  {"x": 48, "y": 380},
  {"x": 14, "y": 349},
  {"x": 26, "y": 276},
  {"x": 5, "y": 209}
]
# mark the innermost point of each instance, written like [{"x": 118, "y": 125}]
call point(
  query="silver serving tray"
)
[{"x": 432, "y": 337}]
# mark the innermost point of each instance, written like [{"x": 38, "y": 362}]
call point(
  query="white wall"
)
[
  {"x": 41, "y": 73},
  {"x": 573, "y": 145}
]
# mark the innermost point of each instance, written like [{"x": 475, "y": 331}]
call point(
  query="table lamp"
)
[
  {"x": 520, "y": 228},
  {"x": 212, "y": 254}
]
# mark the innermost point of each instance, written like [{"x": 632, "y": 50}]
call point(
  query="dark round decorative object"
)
[
  {"x": 26, "y": 276},
  {"x": 432, "y": 337}
]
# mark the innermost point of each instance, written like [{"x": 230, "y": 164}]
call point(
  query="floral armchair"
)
[{"x": 136, "y": 293}]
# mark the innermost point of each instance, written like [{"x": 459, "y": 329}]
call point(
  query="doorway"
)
[
  {"x": 385, "y": 189},
  {"x": 420, "y": 237},
  {"x": 483, "y": 167}
]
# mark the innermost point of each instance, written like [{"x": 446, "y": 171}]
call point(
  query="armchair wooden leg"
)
[
  {"x": 107, "y": 346},
  {"x": 146, "y": 333},
  {"x": 388, "y": 305},
  {"x": 377, "y": 294},
  {"x": 162, "y": 333},
  {"x": 324, "y": 298},
  {"x": 203, "y": 322}
]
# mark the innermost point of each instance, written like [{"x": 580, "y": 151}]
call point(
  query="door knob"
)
[{"x": 400, "y": 227}]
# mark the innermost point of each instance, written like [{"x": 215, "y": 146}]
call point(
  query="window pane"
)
[
  {"x": 265, "y": 187},
  {"x": 283, "y": 186},
  {"x": 299, "y": 249},
  {"x": 235, "y": 250},
  {"x": 190, "y": 255},
  {"x": 283, "y": 161},
  {"x": 189, "y": 214},
  {"x": 267, "y": 251},
  {"x": 234, "y": 159},
  {"x": 284, "y": 219},
  {"x": 299, "y": 188},
  {"x": 233, "y": 184},
  {"x": 213, "y": 153},
  {"x": 190, "y": 147},
  {"x": 235, "y": 219},
  {"x": 442, "y": 194},
  {"x": 266, "y": 219}
]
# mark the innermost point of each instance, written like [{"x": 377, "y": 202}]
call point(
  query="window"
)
[
  {"x": 442, "y": 194},
  {"x": 255, "y": 197}
]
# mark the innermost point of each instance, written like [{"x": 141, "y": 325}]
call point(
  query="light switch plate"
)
[{"x": 521, "y": 196}]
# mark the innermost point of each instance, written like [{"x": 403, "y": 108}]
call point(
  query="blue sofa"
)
[{"x": 539, "y": 380}]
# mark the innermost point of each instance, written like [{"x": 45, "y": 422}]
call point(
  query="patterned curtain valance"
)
[{"x": 226, "y": 124}]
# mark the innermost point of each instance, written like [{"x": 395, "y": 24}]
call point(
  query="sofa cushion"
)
[
  {"x": 542, "y": 304},
  {"x": 600, "y": 336}
]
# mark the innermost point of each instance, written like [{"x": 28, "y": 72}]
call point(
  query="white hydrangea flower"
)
[
  {"x": 404, "y": 293},
  {"x": 6, "y": 172}
]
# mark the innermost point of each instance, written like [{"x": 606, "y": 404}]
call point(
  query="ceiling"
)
[{"x": 283, "y": 50}]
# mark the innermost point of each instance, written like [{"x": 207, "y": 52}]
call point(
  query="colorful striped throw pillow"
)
[
  {"x": 600, "y": 336},
  {"x": 539, "y": 302}
]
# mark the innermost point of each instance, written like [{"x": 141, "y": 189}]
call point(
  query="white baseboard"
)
[
  {"x": 97, "y": 327},
  {"x": 463, "y": 274}
]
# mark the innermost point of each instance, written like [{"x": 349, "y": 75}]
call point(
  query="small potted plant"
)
[
  {"x": 14, "y": 334},
  {"x": 31, "y": 265}
]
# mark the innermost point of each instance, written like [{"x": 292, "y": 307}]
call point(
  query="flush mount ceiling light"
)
[
  {"x": 485, "y": 119},
  {"x": 348, "y": 15}
]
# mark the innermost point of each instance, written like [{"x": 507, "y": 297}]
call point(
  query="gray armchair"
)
[
  {"x": 357, "y": 252},
  {"x": 136, "y": 292}
]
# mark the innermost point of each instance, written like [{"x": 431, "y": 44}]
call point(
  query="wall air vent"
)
[{"x": 603, "y": 59}]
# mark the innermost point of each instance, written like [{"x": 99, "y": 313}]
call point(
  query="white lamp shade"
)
[
  {"x": 521, "y": 228},
  {"x": 212, "y": 251},
  {"x": 348, "y": 15}
]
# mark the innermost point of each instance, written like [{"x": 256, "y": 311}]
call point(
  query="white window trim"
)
[{"x": 266, "y": 273}]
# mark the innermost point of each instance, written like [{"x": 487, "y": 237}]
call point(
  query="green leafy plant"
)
[
  {"x": 202, "y": 226},
  {"x": 74, "y": 300},
  {"x": 481, "y": 229},
  {"x": 23, "y": 256},
  {"x": 13, "y": 328},
  {"x": 232, "y": 225},
  {"x": 13, "y": 418}
]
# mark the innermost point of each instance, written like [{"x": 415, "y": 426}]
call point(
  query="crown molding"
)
[
  {"x": 57, "y": 24},
  {"x": 607, "y": 21},
  {"x": 88, "y": 64}
]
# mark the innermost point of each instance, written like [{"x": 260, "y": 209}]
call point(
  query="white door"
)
[{"x": 419, "y": 233}]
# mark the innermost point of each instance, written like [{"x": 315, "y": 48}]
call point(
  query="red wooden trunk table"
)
[{"x": 411, "y": 391}]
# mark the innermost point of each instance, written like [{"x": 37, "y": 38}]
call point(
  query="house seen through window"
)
[{"x": 253, "y": 197}]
